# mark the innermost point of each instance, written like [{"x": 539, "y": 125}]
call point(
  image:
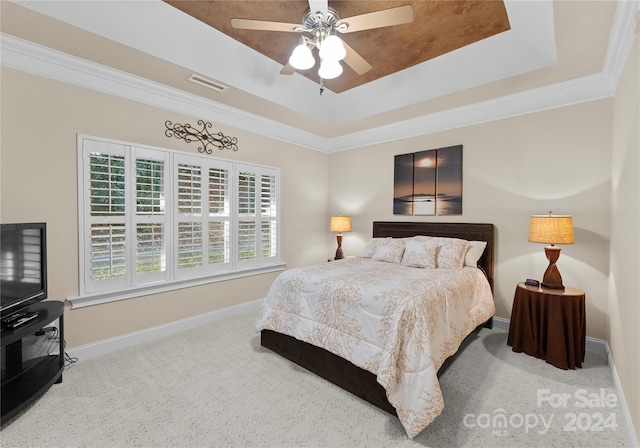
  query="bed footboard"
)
[
  {"x": 339, "y": 371},
  {"x": 331, "y": 367}
]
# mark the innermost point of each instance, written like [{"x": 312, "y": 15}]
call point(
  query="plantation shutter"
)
[
  {"x": 247, "y": 237},
  {"x": 219, "y": 217},
  {"x": 189, "y": 226},
  {"x": 203, "y": 216},
  {"x": 258, "y": 194},
  {"x": 151, "y": 230},
  {"x": 268, "y": 216},
  {"x": 105, "y": 227}
]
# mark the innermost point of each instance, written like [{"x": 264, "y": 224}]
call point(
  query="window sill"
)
[{"x": 98, "y": 298}]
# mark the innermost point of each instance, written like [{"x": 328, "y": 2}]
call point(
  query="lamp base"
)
[
  {"x": 339, "y": 253},
  {"x": 552, "y": 286},
  {"x": 552, "y": 278}
]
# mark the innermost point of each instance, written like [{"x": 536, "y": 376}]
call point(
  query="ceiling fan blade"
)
[
  {"x": 319, "y": 5},
  {"x": 355, "y": 61},
  {"x": 376, "y": 19},
  {"x": 287, "y": 70},
  {"x": 248, "y": 24}
]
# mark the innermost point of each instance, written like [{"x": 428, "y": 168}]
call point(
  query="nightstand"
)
[{"x": 549, "y": 324}]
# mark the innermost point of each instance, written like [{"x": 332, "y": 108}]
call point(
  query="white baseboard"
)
[
  {"x": 626, "y": 416},
  {"x": 600, "y": 347},
  {"x": 500, "y": 323},
  {"x": 127, "y": 340}
]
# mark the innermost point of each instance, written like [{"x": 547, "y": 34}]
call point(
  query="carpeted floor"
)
[{"x": 215, "y": 386}]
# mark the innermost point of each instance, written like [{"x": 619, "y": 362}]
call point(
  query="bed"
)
[{"x": 374, "y": 326}]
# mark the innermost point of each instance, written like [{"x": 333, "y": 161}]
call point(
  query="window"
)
[{"x": 151, "y": 216}]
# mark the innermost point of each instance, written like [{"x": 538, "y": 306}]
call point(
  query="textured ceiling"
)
[{"x": 438, "y": 27}]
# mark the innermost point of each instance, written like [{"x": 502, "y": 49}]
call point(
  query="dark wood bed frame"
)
[{"x": 343, "y": 373}]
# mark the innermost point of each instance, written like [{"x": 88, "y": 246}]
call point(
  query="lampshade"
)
[
  {"x": 301, "y": 58},
  {"x": 340, "y": 224},
  {"x": 332, "y": 49},
  {"x": 551, "y": 229},
  {"x": 329, "y": 69}
]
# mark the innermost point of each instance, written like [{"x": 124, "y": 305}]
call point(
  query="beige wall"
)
[
  {"x": 555, "y": 160},
  {"x": 40, "y": 121},
  {"x": 624, "y": 298}
]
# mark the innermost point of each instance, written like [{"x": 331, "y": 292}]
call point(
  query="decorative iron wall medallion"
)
[{"x": 190, "y": 134}]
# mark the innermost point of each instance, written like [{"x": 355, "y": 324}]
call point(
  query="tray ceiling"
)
[
  {"x": 476, "y": 61},
  {"x": 438, "y": 27}
]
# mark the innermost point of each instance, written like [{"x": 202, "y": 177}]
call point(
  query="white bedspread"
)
[{"x": 397, "y": 322}]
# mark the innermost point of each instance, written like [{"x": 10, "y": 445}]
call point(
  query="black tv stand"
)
[{"x": 23, "y": 382}]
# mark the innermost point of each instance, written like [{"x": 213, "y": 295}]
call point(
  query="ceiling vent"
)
[{"x": 208, "y": 83}]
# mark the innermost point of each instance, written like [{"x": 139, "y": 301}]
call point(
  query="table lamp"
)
[
  {"x": 340, "y": 224},
  {"x": 551, "y": 229}
]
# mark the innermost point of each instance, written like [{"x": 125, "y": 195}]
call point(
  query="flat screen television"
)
[{"x": 23, "y": 266}]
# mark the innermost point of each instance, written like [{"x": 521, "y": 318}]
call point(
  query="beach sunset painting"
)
[
  {"x": 449, "y": 182},
  {"x": 403, "y": 184},
  {"x": 428, "y": 182},
  {"x": 424, "y": 182}
]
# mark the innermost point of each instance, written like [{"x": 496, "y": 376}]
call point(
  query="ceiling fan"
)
[{"x": 323, "y": 23}]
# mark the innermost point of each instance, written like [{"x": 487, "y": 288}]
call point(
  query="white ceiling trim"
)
[
  {"x": 579, "y": 90},
  {"x": 621, "y": 39},
  {"x": 529, "y": 45},
  {"x": 31, "y": 58},
  {"x": 28, "y": 57},
  {"x": 158, "y": 29}
]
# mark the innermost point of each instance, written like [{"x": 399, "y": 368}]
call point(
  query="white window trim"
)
[
  {"x": 238, "y": 270},
  {"x": 112, "y": 296}
]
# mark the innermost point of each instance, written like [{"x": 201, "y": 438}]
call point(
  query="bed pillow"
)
[
  {"x": 389, "y": 250},
  {"x": 475, "y": 251},
  {"x": 451, "y": 253},
  {"x": 371, "y": 246},
  {"x": 420, "y": 253}
]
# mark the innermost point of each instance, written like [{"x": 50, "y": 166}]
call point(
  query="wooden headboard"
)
[{"x": 466, "y": 231}]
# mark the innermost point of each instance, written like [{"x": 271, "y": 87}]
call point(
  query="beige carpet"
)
[{"x": 215, "y": 386}]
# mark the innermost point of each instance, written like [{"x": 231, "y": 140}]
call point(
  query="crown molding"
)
[
  {"x": 171, "y": 35},
  {"x": 576, "y": 91},
  {"x": 35, "y": 59},
  {"x": 42, "y": 61},
  {"x": 620, "y": 39}
]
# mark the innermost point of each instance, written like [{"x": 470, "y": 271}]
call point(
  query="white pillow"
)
[
  {"x": 451, "y": 253},
  {"x": 371, "y": 246},
  {"x": 389, "y": 250},
  {"x": 420, "y": 253},
  {"x": 475, "y": 251}
]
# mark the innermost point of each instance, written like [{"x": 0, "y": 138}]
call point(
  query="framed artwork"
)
[
  {"x": 428, "y": 182},
  {"x": 403, "y": 185}
]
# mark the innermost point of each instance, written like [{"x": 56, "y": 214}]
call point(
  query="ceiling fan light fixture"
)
[
  {"x": 332, "y": 48},
  {"x": 330, "y": 69},
  {"x": 301, "y": 58},
  {"x": 323, "y": 23}
]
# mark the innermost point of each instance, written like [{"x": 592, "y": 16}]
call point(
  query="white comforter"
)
[{"x": 397, "y": 322}]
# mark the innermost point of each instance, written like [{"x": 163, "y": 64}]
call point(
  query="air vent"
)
[{"x": 208, "y": 83}]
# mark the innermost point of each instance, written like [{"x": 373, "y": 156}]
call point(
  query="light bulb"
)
[
  {"x": 332, "y": 48},
  {"x": 329, "y": 69},
  {"x": 301, "y": 58}
]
